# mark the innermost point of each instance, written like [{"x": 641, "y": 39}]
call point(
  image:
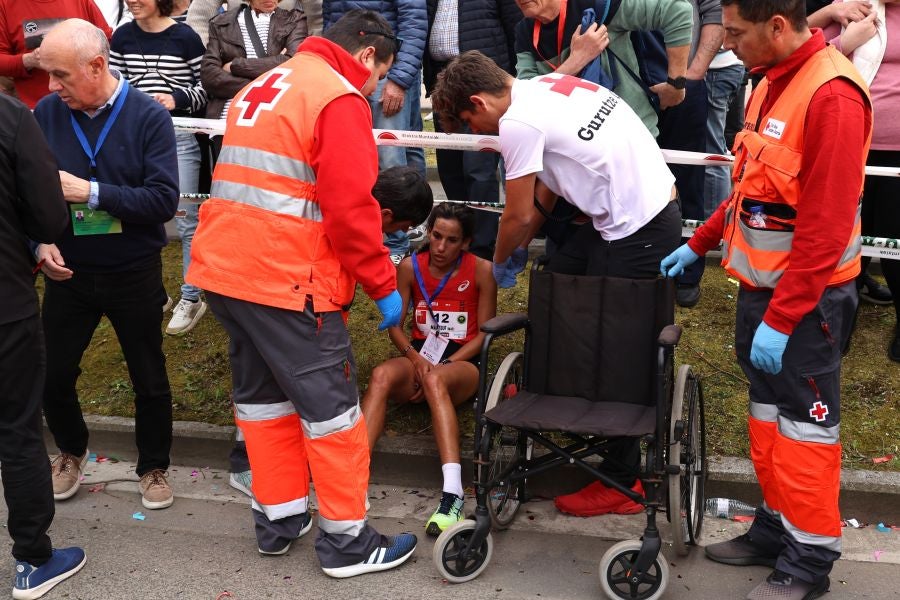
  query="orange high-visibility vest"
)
[
  {"x": 261, "y": 238},
  {"x": 768, "y": 155}
]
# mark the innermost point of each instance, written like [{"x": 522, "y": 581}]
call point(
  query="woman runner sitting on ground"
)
[{"x": 453, "y": 294}]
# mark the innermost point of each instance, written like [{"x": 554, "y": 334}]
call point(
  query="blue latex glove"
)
[
  {"x": 518, "y": 259},
  {"x": 673, "y": 265},
  {"x": 505, "y": 274},
  {"x": 391, "y": 307},
  {"x": 767, "y": 349}
]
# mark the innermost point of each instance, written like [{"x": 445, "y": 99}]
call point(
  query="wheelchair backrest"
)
[{"x": 595, "y": 337}]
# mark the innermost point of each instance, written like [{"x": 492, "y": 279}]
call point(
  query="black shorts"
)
[{"x": 451, "y": 349}]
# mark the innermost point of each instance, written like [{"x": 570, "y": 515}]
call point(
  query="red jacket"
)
[{"x": 37, "y": 16}]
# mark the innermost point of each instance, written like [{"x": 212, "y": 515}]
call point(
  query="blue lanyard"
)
[
  {"x": 438, "y": 290},
  {"x": 79, "y": 133}
]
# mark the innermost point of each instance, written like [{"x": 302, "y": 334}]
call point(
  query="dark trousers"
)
[
  {"x": 683, "y": 127},
  {"x": 472, "y": 176},
  {"x": 636, "y": 256},
  {"x": 23, "y": 458},
  {"x": 133, "y": 301},
  {"x": 881, "y": 214},
  {"x": 798, "y": 474}
]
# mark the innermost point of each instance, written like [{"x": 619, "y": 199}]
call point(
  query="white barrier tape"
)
[
  {"x": 485, "y": 143},
  {"x": 871, "y": 246}
]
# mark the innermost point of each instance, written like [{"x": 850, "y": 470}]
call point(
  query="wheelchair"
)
[{"x": 598, "y": 364}]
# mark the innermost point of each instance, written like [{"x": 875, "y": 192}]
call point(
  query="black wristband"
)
[{"x": 446, "y": 361}]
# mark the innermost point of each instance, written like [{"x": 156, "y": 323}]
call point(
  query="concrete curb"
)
[{"x": 413, "y": 459}]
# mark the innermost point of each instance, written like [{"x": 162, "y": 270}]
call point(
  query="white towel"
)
[{"x": 867, "y": 58}]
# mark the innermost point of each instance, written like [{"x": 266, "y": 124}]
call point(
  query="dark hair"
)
[
  {"x": 468, "y": 74},
  {"x": 760, "y": 11},
  {"x": 405, "y": 192},
  {"x": 165, "y": 7},
  {"x": 452, "y": 211},
  {"x": 360, "y": 28}
]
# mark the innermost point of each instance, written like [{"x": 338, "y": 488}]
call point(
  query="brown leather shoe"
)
[
  {"x": 65, "y": 473},
  {"x": 155, "y": 490},
  {"x": 740, "y": 551},
  {"x": 783, "y": 586}
]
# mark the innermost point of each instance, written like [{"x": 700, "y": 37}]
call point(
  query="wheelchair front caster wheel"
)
[
  {"x": 616, "y": 579},
  {"x": 452, "y": 561}
]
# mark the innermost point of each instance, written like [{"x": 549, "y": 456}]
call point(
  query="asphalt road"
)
[{"x": 203, "y": 546}]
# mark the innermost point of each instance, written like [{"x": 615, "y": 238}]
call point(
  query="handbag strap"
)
[{"x": 254, "y": 35}]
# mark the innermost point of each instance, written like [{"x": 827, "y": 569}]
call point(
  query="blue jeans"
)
[
  {"x": 721, "y": 85},
  {"x": 188, "y": 181},
  {"x": 405, "y": 120},
  {"x": 397, "y": 243}
]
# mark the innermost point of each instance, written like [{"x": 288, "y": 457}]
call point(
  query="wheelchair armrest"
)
[
  {"x": 669, "y": 336},
  {"x": 506, "y": 323}
]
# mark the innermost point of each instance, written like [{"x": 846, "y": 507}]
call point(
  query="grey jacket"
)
[{"x": 226, "y": 45}]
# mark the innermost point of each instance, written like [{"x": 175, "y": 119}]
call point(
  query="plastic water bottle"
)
[
  {"x": 726, "y": 508},
  {"x": 757, "y": 216}
]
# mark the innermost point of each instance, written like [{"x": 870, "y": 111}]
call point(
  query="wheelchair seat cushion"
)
[{"x": 527, "y": 410}]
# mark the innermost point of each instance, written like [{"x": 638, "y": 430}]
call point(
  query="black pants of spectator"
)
[
  {"x": 881, "y": 215},
  {"x": 133, "y": 301},
  {"x": 881, "y": 218},
  {"x": 734, "y": 120},
  {"x": 636, "y": 256},
  {"x": 23, "y": 458},
  {"x": 683, "y": 127},
  {"x": 472, "y": 176}
]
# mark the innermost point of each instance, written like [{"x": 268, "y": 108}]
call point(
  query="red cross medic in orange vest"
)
[
  {"x": 290, "y": 228},
  {"x": 790, "y": 234}
]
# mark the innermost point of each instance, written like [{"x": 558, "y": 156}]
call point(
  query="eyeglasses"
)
[{"x": 398, "y": 42}]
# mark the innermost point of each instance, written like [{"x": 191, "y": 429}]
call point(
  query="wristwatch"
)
[{"x": 678, "y": 83}]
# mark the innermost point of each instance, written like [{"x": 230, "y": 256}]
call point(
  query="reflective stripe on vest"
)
[
  {"x": 244, "y": 193},
  {"x": 766, "y": 168}
]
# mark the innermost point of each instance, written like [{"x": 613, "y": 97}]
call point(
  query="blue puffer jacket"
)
[{"x": 408, "y": 19}]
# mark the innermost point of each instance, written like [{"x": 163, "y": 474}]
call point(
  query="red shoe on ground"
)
[{"x": 597, "y": 499}]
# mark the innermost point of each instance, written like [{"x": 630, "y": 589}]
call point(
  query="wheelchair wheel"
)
[
  {"x": 615, "y": 569},
  {"x": 448, "y": 548},
  {"x": 687, "y": 450},
  {"x": 506, "y": 447}
]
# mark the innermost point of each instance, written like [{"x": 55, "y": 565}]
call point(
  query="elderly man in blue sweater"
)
[{"x": 115, "y": 148}]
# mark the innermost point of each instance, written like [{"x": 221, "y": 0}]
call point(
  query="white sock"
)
[{"x": 452, "y": 478}]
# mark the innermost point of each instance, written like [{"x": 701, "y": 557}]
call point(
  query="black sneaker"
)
[
  {"x": 787, "y": 587},
  {"x": 687, "y": 296},
  {"x": 873, "y": 292},
  {"x": 894, "y": 348},
  {"x": 740, "y": 551}
]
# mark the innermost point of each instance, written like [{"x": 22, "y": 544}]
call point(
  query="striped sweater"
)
[{"x": 166, "y": 62}]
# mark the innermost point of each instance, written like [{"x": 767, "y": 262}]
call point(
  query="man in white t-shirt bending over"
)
[{"x": 563, "y": 137}]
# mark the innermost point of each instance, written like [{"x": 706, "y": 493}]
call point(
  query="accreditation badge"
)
[
  {"x": 89, "y": 221},
  {"x": 434, "y": 347}
]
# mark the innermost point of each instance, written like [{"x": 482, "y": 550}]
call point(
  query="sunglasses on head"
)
[{"x": 398, "y": 42}]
